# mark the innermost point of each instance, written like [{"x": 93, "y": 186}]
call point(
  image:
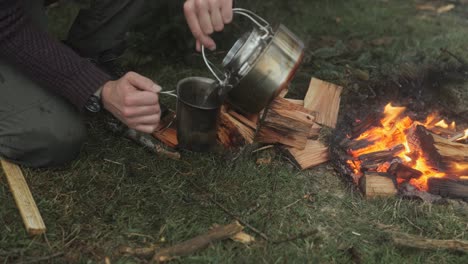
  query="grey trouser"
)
[{"x": 38, "y": 128}]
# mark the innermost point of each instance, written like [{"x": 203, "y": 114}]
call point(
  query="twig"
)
[
  {"x": 263, "y": 148},
  {"x": 140, "y": 252},
  {"x": 197, "y": 243},
  {"x": 412, "y": 241},
  {"x": 255, "y": 230},
  {"x": 458, "y": 136}
]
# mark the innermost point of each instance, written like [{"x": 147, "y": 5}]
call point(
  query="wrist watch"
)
[{"x": 94, "y": 104}]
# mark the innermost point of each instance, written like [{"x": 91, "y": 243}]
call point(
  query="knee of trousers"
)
[{"x": 43, "y": 143}]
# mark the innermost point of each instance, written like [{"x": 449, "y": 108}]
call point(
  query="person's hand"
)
[
  {"x": 134, "y": 100},
  {"x": 206, "y": 16}
]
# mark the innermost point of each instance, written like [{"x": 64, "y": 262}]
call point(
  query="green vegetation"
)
[{"x": 116, "y": 193}]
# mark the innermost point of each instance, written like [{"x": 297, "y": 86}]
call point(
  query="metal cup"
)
[{"x": 198, "y": 106}]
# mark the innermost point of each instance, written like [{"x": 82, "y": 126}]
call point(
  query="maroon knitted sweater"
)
[{"x": 45, "y": 59}]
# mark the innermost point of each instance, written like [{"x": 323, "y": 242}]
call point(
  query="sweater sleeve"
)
[{"x": 45, "y": 59}]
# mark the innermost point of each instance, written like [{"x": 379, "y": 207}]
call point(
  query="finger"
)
[
  {"x": 204, "y": 18},
  {"x": 226, "y": 11},
  {"x": 216, "y": 19},
  {"x": 145, "y": 120},
  {"x": 146, "y": 128},
  {"x": 132, "y": 112},
  {"x": 192, "y": 21},
  {"x": 142, "y": 98},
  {"x": 142, "y": 82}
]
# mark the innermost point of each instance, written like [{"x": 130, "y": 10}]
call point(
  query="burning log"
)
[
  {"x": 286, "y": 123},
  {"x": 381, "y": 156},
  {"x": 324, "y": 99},
  {"x": 362, "y": 126},
  {"x": 450, "y": 188},
  {"x": 402, "y": 171},
  {"x": 231, "y": 132},
  {"x": 313, "y": 154},
  {"x": 440, "y": 152},
  {"x": 374, "y": 184}
]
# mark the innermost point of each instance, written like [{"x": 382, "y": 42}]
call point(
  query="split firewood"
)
[
  {"x": 231, "y": 132},
  {"x": 314, "y": 153},
  {"x": 314, "y": 130},
  {"x": 402, "y": 171},
  {"x": 168, "y": 137},
  {"x": 450, "y": 188},
  {"x": 440, "y": 152},
  {"x": 374, "y": 184},
  {"x": 27, "y": 207},
  {"x": 285, "y": 123},
  {"x": 324, "y": 99},
  {"x": 198, "y": 243},
  {"x": 296, "y": 101},
  {"x": 250, "y": 122},
  {"x": 412, "y": 241}
]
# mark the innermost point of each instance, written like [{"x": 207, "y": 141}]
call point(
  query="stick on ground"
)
[
  {"x": 27, "y": 207},
  {"x": 198, "y": 243},
  {"x": 412, "y": 241}
]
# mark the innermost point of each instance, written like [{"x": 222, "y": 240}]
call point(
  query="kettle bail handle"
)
[{"x": 257, "y": 20}]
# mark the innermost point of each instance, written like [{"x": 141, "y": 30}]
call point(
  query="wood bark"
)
[
  {"x": 324, "y": 99},
  {"x": 374, "y": 184}
]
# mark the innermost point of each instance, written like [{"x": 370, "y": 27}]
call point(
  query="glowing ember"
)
[{"x": 393, "y": 131}]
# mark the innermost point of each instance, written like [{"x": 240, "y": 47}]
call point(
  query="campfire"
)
[{"x": 386, "y": 153}]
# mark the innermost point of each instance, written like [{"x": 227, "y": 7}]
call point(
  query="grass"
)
[{"x": 118, "y": 194}]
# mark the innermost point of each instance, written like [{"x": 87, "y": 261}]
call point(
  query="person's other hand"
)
[
  {"x": 205, "y": 17},
  {"x": 133, "y": 99}
]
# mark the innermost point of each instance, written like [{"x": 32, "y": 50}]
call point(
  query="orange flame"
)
[{"x": 393, "y": 131}]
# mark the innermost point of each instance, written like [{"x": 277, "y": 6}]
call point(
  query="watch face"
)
[{"x": 93, "y": 105}]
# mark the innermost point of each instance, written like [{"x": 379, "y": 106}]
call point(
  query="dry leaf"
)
[
  {"x": 445, "y": 9},
  {"x": 243, "y": 237}
]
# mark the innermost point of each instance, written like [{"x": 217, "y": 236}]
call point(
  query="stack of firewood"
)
[{"x": 293, "y": 124}]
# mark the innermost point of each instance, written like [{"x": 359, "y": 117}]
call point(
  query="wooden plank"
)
[
  {"x": 24, "y": 200},
  {"x": 314, "y": 153},
  {"x": 324, "y": 98}
]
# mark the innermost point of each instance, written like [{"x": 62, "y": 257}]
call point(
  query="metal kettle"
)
[{"x": 259, "y": 65}]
